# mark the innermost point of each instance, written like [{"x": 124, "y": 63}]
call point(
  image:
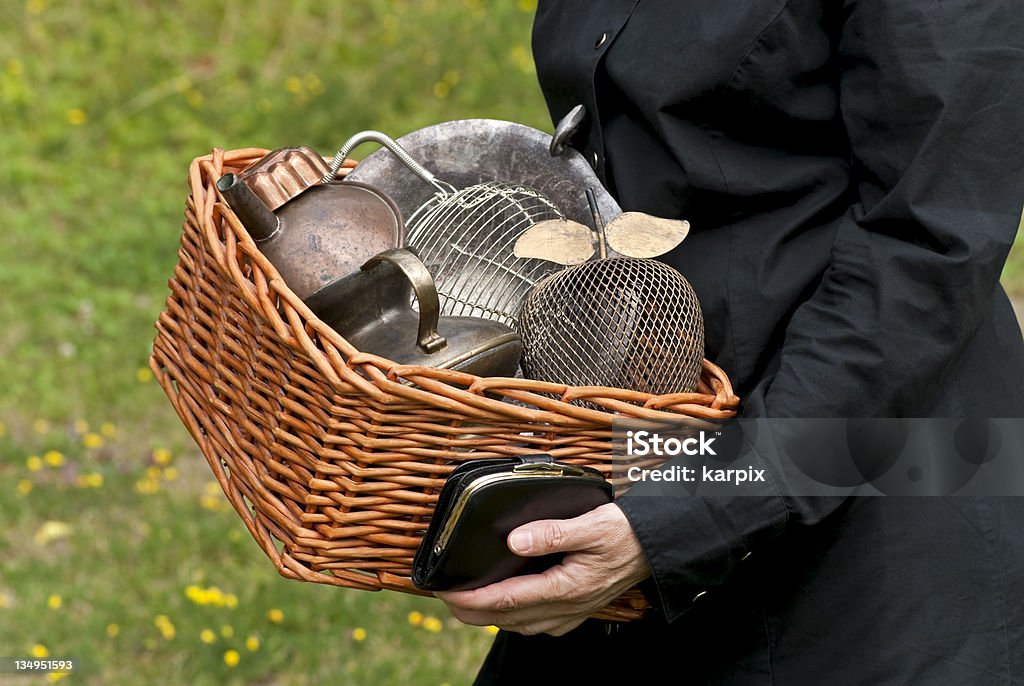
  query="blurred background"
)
[{"x": 116, "y": 545}]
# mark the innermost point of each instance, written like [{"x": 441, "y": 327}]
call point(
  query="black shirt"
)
[{"x": 854, "y": 173}]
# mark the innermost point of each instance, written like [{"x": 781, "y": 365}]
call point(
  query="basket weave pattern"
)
[{"x": 332, "y": 457}]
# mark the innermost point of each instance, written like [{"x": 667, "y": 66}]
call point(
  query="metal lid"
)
[{"x": 284, "y": 174}]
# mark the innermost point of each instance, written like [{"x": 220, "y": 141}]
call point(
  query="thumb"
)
[{"x": 547, "y": 536}]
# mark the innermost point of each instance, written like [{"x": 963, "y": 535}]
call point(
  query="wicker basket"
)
[{"x": 333, "y": 458}]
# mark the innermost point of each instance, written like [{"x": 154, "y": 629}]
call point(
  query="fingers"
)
[
  {"x": 547, "y": 536},
  {"x": 520, "y": 593},
  {"x": 522, "y": 604}
]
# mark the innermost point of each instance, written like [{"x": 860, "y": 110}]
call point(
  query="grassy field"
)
[{"x": 116, "y": 546}]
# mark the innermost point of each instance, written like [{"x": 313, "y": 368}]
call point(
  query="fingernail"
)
[{"x": 520, "y": 541}]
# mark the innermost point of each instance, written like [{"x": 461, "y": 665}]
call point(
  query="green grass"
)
[
  {"x": 117, "y": 557},
  {"x": 1013, "y": 274},
  {"x": 103, "y": 105}
]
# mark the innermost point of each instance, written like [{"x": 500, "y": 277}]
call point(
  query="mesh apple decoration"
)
[{"x": 625, "y": 321}]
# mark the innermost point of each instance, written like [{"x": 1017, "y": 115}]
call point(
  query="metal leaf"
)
[
  {"x": 636, "y": 234},
  {"x": 561, "y": 241}
]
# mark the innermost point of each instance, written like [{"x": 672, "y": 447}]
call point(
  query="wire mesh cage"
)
[
  {"x": 467, "y": 239},
  {"x": 621, "y": 322}
]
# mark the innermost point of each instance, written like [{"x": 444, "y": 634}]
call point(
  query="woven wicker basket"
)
[{"x": 333, "y": 458}]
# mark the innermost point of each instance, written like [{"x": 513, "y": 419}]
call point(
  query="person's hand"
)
[{"x": 603, "y": 560}]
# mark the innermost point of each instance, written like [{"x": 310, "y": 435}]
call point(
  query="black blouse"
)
[{"x": 854, "y": 174}]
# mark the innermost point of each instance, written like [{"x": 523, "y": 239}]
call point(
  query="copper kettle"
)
[
  {"x": 372, "y": 310},
  {"x": 313, "y": 233}
]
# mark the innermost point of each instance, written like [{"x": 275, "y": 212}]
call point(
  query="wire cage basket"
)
[
  {"x": 333, "y": 458},
  {"x": 467, "y": 241}
]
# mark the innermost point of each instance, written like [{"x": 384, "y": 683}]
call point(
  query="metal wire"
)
[
  {"x": 466, "y": 241},
  {"x": 621, "y": 322}
]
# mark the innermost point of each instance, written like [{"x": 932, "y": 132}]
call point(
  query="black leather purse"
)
[{"x": 482, "y": 502}]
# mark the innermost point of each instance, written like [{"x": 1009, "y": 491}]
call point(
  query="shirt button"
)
[
  {"x": 602, "y": 39},
  {"x": 595, "y": 161}
]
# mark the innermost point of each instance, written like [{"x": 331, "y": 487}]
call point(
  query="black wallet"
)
[{"x": 482, "y": 502}]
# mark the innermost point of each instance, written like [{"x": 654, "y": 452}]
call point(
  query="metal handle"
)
[
  {"x": 566, "y": 129},
  {"x": 426, "y": 294},
  {"x": 377, "y": 137}
]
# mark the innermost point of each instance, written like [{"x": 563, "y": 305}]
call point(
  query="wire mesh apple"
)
[{"x": 625, "y": 321}]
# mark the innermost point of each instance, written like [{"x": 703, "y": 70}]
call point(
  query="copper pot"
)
[{"x": 313, "y": 233}]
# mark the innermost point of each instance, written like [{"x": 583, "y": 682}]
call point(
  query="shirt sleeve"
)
[{"x": 932, "y": 99}]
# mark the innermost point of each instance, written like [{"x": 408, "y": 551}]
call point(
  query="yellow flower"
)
[
  {"x": 35, "y": 6},
  {"x": 231, "y": 600},
  {"x": 293, "y": 84},
  {"x": 54, "y": 458},
  {"x": 252, "y": 643},
  {"x": 212, "y": 503},
  {"x": 170, "y": 474},
  {"x": 359, "y": 634},
  {"x": 492, "y": 630},
  {"x": 40, "y": 426},
  {"x": 113, "y": 630},
  {"x": 108, "y": 429},
  {"x": 153, "y": 472},
  {"x": 143, "y": 374},
  {"x": 167, "y": 630},
  {"x": 14, "y": 66},
  {"x": 81, "y": 426},
  {"x": 93, "y": 480},
  {"x": 40, "y": 651},
  {"x": 441, "y": 89},
  {"x": 54, "y": 677},
  {"x": 76, "y": 116},
  {"x": 92, "y": 440},
  {"x": 24, "y": 487},
  {"x": 207, "y": 636},
  {"x": 147, "y": 486},
  {"x": 227, "y": 631},
  {"x": 313, "y": 84},
  {"x": 231, "y": 658},
  {"x": 52, "y": 530},
  {"x": 162, "y": 456},
  {"x": 432, "y": 624},
  {"x": 527, "y": 5},
  {"x": 275, "y": 615},
  {"x": 34, "y": 463},
  {"x": 415, "y": 618}
]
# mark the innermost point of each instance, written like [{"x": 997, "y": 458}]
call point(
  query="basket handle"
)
[
  {"x": 426, "y": 294},
  {"x": 391, "y": 144}
]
